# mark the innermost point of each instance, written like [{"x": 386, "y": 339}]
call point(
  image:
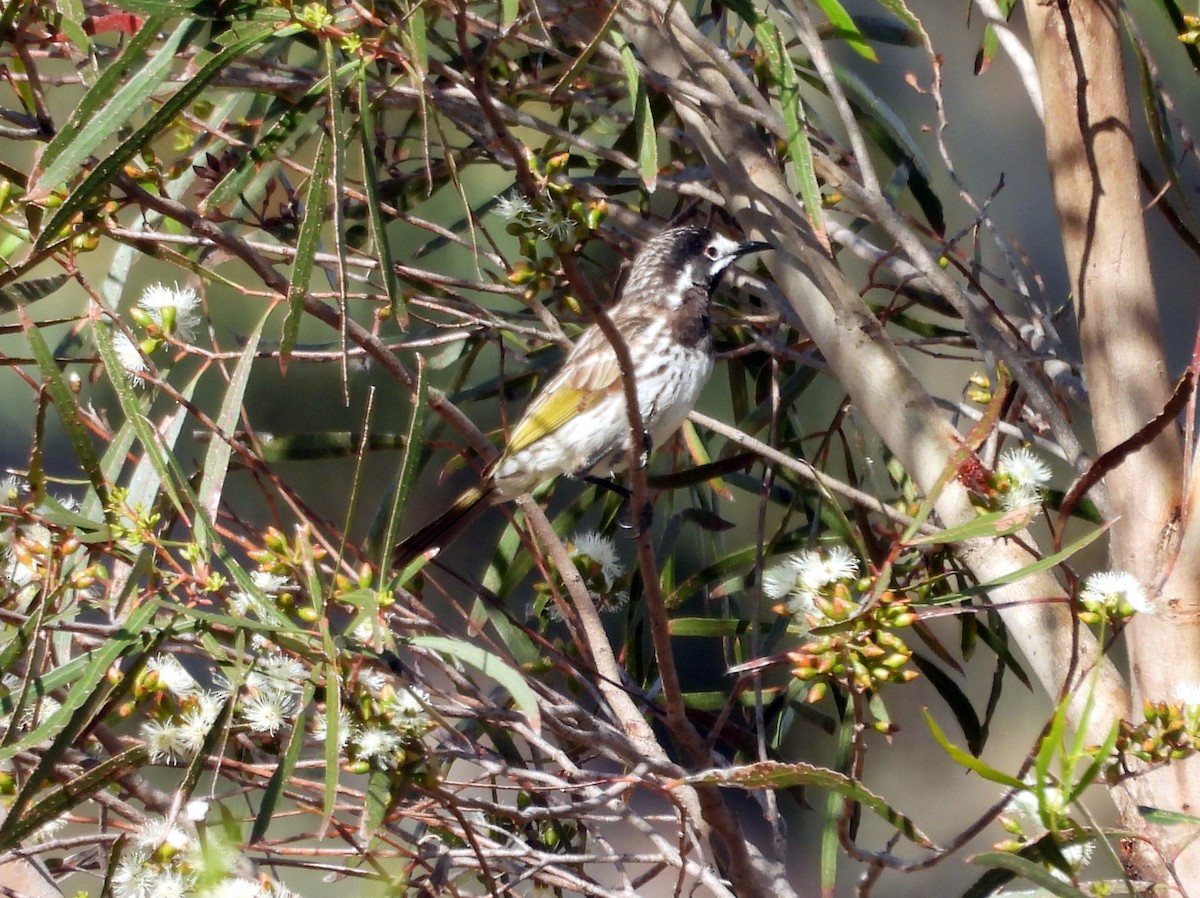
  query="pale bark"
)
[{"x": 1094, "y": 172}]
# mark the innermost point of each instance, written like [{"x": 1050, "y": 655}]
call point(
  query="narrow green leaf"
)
[
  {"x": 987, "y": 50},
  {"x": 146, "y": 481},
  {"x": 70, "y": 23},
  {"x": 418, "y": 41},
  {"x": 718, "y": 699},
  {"x": 77, "y": 712},
  {"x": 1042, "y": 564},
  {"x": 409, "y": 464},
  {"x": 771, "y": 42},
  {"x": 1100, "y": 758},
  {"x": 1027, "y": 869},
  {"x": 775, "y": 775},
  {"x": 68, "y": 411},
  {"x": 216, "y": 459},
  {"x": 900, "y": 10},
  {"x": 26, "y": 292},
  {"x": 1049, "y": 746},
  {"x": 63, "y": 799},
  {"x": 969, "y": 761},
  {"x": 150, "y": 438},
  {"x": 333, "y": 723},
  {"x": 164, "y": 7},
  {"x": 338, "y": 132},
  {"x": 101, "y": 113},
  {"x": 306, "y": 246},
  {"x": 263, "y": 156},
  {"x": 835, "y": 804},
  {"x": 378, "y": 799},
  {"x": 991, "y": 42},
  {"x": 845, "y": 27},
  {"x": 95, "y": 183},
  {"x": 1161, "y": 817},
  {"x": 642, "y": 116},
  {"x": 383, "y": 247},
  {"x": 718, "y": 627},
  {"x": 273, "y": 792},
  {"x": 956, "y": 700},
  {"x": 492, "y": 666},
  {"x": 990, "y": 525}
]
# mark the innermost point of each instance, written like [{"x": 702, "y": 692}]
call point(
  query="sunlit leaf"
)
[
  {"x": 773, "y": 775},
  {"x": 102, "y": 112},
  {"x": 969, "y": 761},
  {"x": 306, "y": 246},
  {"x": 99, "y": 178}
]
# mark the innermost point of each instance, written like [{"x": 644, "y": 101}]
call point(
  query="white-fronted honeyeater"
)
[{"x": 577, "y": 423}]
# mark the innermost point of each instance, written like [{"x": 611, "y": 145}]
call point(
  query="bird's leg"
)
[
  {"x": 641, "y": 520},
  {"x": 605, "y": 484},
  {"x": 638, "y": 523},
  {"x": 647, "y": 448}
]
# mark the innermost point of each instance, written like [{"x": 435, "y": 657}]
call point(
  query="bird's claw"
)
[{"x": 639, "y": 522}]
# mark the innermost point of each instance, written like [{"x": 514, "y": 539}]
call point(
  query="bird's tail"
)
[{"x": 445, "y": 527}]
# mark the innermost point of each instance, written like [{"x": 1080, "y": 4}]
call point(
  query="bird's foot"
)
[{"x": 639, "y": 520}]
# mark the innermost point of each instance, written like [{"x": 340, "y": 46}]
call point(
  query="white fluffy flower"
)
[
  {"x": 1027, "y": 474},
  {"x": 11, "y": 490},
  {"x": 601, "y": 550},
  {"x": 133, "y": 877},
  {"x": 170, "y": 884},
  {"x": 374, "y": 680},
  {"x": 320, "y": 728},
  {"x": 47, "y": 831},
  {"x": 1115, "y": 592},
  {"x": 234, "y": 887},
  {"x": 243, "y": 601},
  {"x": 839, "y": 565},
  {"x": 172, "y": 308},
  {"x": 267, "y": 710},
  {"x": 799, "y": 580},
  {"x": 374, "y": 743},
  {"x": 779, "y": 580},
  {"x": 156, "y": 831},
  {"x": 199, "y": 720},
  {"x": 807, "y": 573},
  {"x": 172, "y": 675},
  {"x": 129, "y": 354},
  {"x": 276, "y": 671},
  {"x": 269, "y": 582},
  {"x": 407, "y": 706},
  {"x": 513, "y": 207},
  {"x": 553, "y": 222},
  {"x": 166, "y": 740},
  {"x": 1025, "y": 802}
]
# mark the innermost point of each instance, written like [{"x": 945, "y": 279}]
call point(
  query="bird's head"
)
[{"x": 681, "y": 258}]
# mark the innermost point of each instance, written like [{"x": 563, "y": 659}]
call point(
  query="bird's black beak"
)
[{"x": 753, "y": 246}]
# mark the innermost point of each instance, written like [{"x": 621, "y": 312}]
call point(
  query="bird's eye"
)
[{"x": 711, "y": 251}]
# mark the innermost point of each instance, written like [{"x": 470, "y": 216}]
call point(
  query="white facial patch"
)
[{"x": 719, "y": 252}]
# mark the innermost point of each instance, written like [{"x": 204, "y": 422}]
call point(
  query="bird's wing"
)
[{"x": 589, "y": 374}]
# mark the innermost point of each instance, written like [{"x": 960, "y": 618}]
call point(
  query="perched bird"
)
[{"x": 577, "y": 422}]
